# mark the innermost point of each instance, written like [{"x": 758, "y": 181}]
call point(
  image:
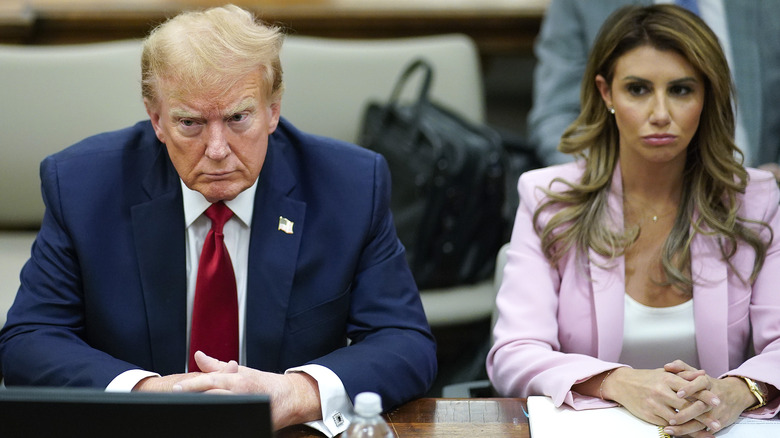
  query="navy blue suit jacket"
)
[{"x": 105, "y": 288}]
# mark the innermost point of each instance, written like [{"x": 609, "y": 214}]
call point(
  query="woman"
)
[{"x": 642, "y": 274}]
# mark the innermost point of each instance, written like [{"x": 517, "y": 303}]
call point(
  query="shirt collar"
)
[{"x": 195, "y": 204}]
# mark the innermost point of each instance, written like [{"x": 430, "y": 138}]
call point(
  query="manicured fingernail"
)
[
  {"x": 715, "y": 425},
  {"x": 668, "y": 431},
  {"x": 681, "y": 393},
  {"x": 672, "y": 422},
  {"x": 715, "y": 401}
]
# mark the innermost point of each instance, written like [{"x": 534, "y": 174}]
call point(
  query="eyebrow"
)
[
  {"x": 676, "y": 81},
  {"x": 246, "y": 104},
  {"x": 179, "y": 113}
]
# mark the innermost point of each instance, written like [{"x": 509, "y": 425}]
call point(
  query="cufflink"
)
[{"x": 338, "y": 419}]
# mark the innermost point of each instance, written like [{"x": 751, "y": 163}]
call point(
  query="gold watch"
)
[{"x": 759, "y": 390}]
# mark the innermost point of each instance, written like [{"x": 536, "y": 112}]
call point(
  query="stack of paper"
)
[{"x": 547, "y": 421}]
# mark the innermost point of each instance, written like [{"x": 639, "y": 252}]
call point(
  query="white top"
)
[{"x": 655, "y": 336}]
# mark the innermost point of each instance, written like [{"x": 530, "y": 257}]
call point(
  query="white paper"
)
[
  {"x": 547, "y": 421},
  {"x": 751, "y": 428}
]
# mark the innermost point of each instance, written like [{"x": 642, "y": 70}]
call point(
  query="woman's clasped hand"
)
[{"x": 683, "y": 399}]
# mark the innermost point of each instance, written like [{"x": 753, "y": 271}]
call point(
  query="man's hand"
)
[
  {"x": 295, "y": 397},
  {"x": 729, "y": 397},
  {"x": 161, "y": 384}
]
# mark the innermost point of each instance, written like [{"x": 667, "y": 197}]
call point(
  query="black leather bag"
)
[{"x": 448, "y": 184}]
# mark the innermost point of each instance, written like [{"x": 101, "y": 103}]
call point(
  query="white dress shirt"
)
[{"x": 334, "y": 401}]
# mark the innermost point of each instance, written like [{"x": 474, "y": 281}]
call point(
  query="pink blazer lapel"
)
[
  {"x": 609, "y": 289},
  {"x": 609, "y": 283},
  {"x": 710, "y": 304}
]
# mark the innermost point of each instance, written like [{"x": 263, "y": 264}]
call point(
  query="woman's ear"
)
[{"x": 605, "y": 90}]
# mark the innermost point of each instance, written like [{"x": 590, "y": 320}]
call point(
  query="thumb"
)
[
  {"x": 208, "y": 364},
  {"x": 678, "y": 366}
]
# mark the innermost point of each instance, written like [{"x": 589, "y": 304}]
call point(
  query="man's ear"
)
[
  {"x": 276, "y": 111},
  {"x": 604, "y": 90},
  {"x": 153, "y": 110}
]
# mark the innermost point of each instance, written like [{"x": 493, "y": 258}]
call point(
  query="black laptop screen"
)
[{"x": 55, "y": 412}]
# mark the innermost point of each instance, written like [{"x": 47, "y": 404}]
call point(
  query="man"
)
[
  {"x": 112, "y": 295},
  {"x": 747, "y": 30}
]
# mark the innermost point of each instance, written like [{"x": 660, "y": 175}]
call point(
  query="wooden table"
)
[
  {"x": 449, "y": 418},
  {"x": 497, "y": 26}
]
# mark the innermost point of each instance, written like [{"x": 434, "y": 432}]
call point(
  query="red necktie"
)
[{"x": 215, "y": 310}]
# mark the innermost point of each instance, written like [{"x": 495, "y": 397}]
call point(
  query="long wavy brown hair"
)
[{"x": 713, "y": 175}]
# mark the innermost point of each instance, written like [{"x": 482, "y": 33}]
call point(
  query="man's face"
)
[{"x": 217, "y": 141}]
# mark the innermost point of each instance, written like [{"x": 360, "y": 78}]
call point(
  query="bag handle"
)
[
  {"x": 390, "y": 111},
  {"x": 416, "y": 64}
]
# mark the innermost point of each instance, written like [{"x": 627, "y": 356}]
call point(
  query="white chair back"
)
[
  {"x": 329, "y": 82},
  {"x": 51, "y": 97}
]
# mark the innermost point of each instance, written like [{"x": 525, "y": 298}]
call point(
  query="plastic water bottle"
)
[{"x": 368, "y": 421}]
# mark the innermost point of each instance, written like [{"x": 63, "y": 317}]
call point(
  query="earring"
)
[{"x": 612, "y": 110}]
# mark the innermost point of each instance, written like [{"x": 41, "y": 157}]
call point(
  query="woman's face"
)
[{"x": 658, "y": 98}]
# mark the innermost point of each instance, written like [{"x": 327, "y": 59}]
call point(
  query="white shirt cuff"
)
[
  {"x": 334, "y": 401},
  {"x": 126, "y": 381}
]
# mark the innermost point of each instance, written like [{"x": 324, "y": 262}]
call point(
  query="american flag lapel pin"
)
[{"x": 286, "y": 225}]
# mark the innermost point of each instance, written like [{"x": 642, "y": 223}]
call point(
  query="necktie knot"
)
[{"x": 219, "y": 213}]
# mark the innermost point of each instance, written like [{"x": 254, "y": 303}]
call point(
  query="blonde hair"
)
[
  {"x": 713, "y": 174},
  {"x": 211, "y": 50}
]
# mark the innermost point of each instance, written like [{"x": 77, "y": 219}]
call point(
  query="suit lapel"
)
[
  {"x": 710, "y": 303},
  {"x": 273, "y": 255},
  {"x": 158, "y": 228},
  {"x": 609, "y": 283}
]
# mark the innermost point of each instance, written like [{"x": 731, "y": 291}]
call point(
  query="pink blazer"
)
[{"x": 559, "y": 326}]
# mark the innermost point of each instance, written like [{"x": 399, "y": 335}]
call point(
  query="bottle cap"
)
[{"x": 368, "y": 403}]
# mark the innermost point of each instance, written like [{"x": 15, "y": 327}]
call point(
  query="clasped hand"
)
[
  {"x": 683, "y": 399},
  {"x": 294, "y": 396}
]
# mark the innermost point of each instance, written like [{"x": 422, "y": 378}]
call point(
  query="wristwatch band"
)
[{"x": 756, "y": 391}]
